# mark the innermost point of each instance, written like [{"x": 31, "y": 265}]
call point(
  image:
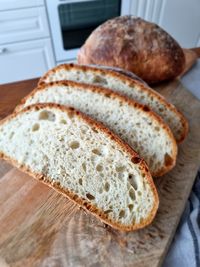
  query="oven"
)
[{"x": 72, "y": 21}]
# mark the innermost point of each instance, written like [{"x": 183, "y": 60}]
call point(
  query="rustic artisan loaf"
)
[
  {"x": 134, "y": 123},
  {"x": 136, "y": 45},
  {"x": 123, "y": 83},
  {"x": 83, "y": 160}
]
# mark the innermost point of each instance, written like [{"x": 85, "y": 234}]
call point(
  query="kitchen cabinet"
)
[
  {"x": 25, "y": 45},
  {"x": 14, "y": 4},
  {"x": 181, "y": 18},
  {"x": 19, "y": 25},
  {"x": 25, "y": 60}
]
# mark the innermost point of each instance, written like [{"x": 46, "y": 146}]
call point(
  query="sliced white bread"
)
[
  {"x": 83, "y": 160},
  {"x": 125, "y": 83},
  {"x": 136, "y": 124}
]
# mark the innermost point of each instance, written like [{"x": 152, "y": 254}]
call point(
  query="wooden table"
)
[
  {"x": 39, "y": 227},
  {"x": 12, "y": 93}
]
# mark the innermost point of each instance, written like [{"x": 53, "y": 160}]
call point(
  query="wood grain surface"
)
[{"x": 39, "y": 227}]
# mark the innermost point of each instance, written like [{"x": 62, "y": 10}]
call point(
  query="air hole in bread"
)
[
  {"x": 107, "y": 186},
  {"x": 99, "y": 167},
  {"x": 130, "y": 176},
  {"x": 146, "y": 108},
  {"x": 157, "y": 128},
  {"x": 133, "y": 182},
  {"x": 100, "y": 190},
  {"x": 94, "y": 130},
  {"x": 35, "y": 127},
  {"x": 89, "y": 196},
  {"x": 47, "y": 115},
  {"x": 98, "y": 79},
  {"x": 121, "y": 176},
  {"x": 96, "y": 151},
  {"x": 71, "y": 114},
  {"x": 168, "y": 160},
  {"x": 144, "y": 185},
  {"x": 108, "y": 96},
  {"x": 132, "y": 194},
  {"x": 122, "y": 214},
  {"x": 84, "y": 129},
  {"x": 74, "y": 145},
  {"x": 136, "y": 160},
  {"x": 130, "y": 206},
  {"x": 62, "y": 121},
  {"x": 120, "y": 168},
  {"x": 108, "y": 211},
  {"x": 31, "y": 142},
  {"x": 139, "y": 193},
  {"x": 80, "y": 181},
  {"x": 11, "y": 135}
]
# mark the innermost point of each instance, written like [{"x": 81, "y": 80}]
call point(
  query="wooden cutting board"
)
[{"x": 39, "y": 227}]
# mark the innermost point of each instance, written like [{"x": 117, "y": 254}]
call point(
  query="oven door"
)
[{"x": 72, "y": 21}]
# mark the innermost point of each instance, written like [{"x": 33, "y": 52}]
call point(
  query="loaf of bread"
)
[
  {"x": 126, "y": 84},
  {"x": 83, "y": 160},
  {"x": 144, "y": 131},
  {"x": 136, "y": 45}
]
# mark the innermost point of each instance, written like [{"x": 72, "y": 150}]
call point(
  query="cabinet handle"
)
[{"x": 3, "y": 50}]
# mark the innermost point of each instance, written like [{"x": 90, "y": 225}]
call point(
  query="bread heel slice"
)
[
  {"x": 125, "y": 83},
  {"x": 84, "y": 161},
  {"x": 136, "y": 124}
]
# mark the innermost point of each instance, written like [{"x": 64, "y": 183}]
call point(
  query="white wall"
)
[{"x": 181, "y": 18}]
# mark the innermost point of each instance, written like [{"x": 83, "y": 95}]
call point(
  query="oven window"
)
[{"x": 79, "y": 19}]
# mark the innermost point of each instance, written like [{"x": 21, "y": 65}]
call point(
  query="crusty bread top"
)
[
  {"x": 40, "y": 115},
  {"x": 122, "y": 71},
  {"x": 121, "y": 103},
  {"x": 136, "y": 45},
  {"x": 131, "y": 87}
]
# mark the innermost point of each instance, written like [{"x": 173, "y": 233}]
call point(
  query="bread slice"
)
[
  {"x": 123, "y": 83},
  {"x": 134, "y": 123},
  {"x": 83, "y": 160}
]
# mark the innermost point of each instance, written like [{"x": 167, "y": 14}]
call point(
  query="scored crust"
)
[
  {"x": 114, "y": 95},
  {"x": 132, "y": 82},
  {"x": 72, "y": 196}
]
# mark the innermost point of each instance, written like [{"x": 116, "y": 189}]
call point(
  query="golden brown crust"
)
[
  {"x": 132, "y": 83},
  {"x": 114, "y": 95},
  {"x": 78, "y": 200},
  {"x": 135, "y": 45}
]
